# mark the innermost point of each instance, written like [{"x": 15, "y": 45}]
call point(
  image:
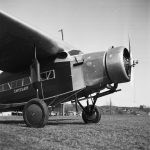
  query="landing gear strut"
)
[
  {"x": 35, "y": 112},
  {"x": 90, "y": 113}
]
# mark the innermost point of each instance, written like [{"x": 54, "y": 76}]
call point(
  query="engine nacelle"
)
[{"x": 118, "y": 65}]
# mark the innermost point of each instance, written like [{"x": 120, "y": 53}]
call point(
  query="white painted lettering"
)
[{"x": 21, "y": 89}]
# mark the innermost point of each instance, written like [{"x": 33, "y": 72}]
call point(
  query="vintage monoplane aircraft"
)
[{"x": 39, "y": 71}]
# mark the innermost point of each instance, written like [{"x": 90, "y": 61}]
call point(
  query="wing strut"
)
[{"x": 35, "y": 76}]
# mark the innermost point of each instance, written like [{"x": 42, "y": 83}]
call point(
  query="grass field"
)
[{"x": 120, "y": 132}]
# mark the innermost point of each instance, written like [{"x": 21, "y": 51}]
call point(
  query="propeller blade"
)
[
  {"x": 131, "y": 59},
  {"x": 129, "y": 45},
  {"x": 130, "y": 50}
]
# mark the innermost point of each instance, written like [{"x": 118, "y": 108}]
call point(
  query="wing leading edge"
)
[{"x": 17, "y": 45}]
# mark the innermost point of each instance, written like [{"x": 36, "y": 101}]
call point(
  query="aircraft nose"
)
[
  {"x": 101, "y": 68},
  {"x": 118, "y": 64},
  {"x": 127, "y": 63}
]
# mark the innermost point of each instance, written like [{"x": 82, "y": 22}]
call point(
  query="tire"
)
[
  {"x": 93, "y": 117},
  {"x": 36, "y": 113}
]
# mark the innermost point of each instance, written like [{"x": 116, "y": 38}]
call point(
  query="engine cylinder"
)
[{"x": 118, "y": 65}]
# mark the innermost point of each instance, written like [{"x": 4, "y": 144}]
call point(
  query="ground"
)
[{"x": 115, "y": 132}]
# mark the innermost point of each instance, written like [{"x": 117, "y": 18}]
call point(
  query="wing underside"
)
[{"x": 17, "y": 43}]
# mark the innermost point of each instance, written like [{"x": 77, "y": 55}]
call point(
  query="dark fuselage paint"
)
[{"x": 59, "y": 84}]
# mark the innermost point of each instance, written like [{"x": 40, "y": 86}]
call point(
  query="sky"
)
[{"x": 96, "y": 25}]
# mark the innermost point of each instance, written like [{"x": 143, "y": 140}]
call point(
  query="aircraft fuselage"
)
[{"x": 79, "y": 74}]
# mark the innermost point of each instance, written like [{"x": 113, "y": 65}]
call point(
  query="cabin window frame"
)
[
  {"x": 28, "y": 82},
  {"x": 50, "y": 74}
]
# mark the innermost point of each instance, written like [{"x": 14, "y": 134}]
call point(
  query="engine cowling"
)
[{"x": 118, "y": 65}]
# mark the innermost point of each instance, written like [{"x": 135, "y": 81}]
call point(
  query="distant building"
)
[
  {"x": 5, "y": 113},
  {"x": 58, "y": 110},
  {"x": 71, "y": 113},
  {"x": 141, "y": 113}
]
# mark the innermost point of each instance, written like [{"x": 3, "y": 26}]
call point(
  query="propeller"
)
[
  {"x": 132, "y": 64},
  {"x": 130, "y": 57},
  {"x": 131, "y": 60}
]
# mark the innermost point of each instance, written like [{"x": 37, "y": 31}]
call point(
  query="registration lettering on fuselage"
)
[{"x": 21, "y": 89}]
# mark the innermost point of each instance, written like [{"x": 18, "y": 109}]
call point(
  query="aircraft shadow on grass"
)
[
  {"x": 50, "y": 122},
  {"x": 64, "y": 122},
  {"x": 12, "y": 121}
]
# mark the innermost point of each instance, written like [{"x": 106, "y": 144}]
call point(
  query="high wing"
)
[{"x": 17, "y": 42}]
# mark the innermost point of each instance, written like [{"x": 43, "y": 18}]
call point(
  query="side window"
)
[
  {"x": 51, "y": 74},
  {"x": 43, "y": 76},
  {"x": 13, "y": 84},
  {"x": 6, "y": 87},
  {"x": 19, "y": 82},
  {"x": 26, "y": 81},
  {"x": 47, "y": 75},
  {"x": 1, "y": 88}
]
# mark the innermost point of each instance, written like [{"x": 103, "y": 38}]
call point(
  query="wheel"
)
[
  {"x": 36, "y": 113},
  {"x": 91, "y": 116}
]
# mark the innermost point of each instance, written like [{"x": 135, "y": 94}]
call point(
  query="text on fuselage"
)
[{"x": 21, "y": 89}]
